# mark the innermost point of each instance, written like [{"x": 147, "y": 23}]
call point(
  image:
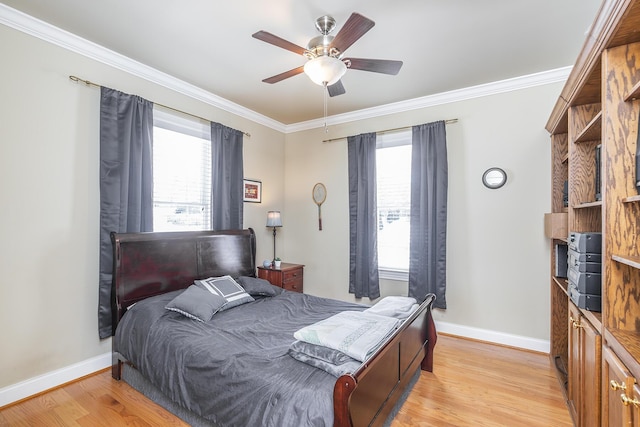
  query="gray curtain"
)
[
  {"x": 428, "y": 235},
  {"x": 126, "y": 183},
  {"x": 226, "y": 178},
  {"x": 363, "y": 226}
]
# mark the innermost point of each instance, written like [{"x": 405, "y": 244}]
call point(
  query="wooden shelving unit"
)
[
  {"x": 600, "y": 106},
  {"x": 592, "y": 130},
  {"x": 596, "y": 204},
  {"x": 631, "y": 261}
]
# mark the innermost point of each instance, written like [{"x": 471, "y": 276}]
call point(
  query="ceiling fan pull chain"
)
[{"x": 325, "y": 92}]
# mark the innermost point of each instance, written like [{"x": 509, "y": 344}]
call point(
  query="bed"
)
[{"x": 245, "y": 357}]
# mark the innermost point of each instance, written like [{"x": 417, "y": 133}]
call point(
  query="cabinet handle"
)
[
  {"x": 617, "y": 386},
  {"x": 575, "y": 323},
  {"x": 626, "y": 401}
]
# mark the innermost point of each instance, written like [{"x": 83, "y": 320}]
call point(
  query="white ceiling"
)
[{"x": 445, "y": 44}]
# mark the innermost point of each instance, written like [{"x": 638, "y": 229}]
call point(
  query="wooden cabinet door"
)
[
  {"x": 635, "y": 408},
  {"x": 591, "y": 361},
  {"x": 573, "y": 390},
  {"x": 585, "y": 368},
  {"x": 615, "y": 379}
]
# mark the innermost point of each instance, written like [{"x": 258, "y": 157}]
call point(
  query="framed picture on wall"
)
[{"x": 252, "y": 191}]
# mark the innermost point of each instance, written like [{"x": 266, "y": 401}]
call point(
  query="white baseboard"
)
[
  {"x": 30, "y": 387},
  {"x": 21, "y": 390},
  {"x": 518, "y": 341}
]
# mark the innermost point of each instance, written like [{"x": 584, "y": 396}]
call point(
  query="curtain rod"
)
[
  {"x": 449, "y": 121},
  {"x": 88, "y": 83}
]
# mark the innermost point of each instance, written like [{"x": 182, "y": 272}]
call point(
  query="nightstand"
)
[{"x": 288, "y": 276}]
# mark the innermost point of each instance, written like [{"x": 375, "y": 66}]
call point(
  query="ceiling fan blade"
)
[
  {"x": 383, "y": 66},
  {"x": 278, "y": 41},
  {"x": 279, "y": 77},
  {"x": 336, "y": 89},
  {"x": 355, "y": 27}
]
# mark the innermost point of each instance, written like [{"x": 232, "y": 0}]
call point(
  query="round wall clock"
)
[
  {"x": 494, "y": 178},
  {"x": 319, "y": 194}
]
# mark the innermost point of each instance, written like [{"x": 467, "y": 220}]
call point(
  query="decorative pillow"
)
[
  {"x": 227, "y": 288},
  {"x": 255, "y": 286},
  {"x": 197, "y": 303}
]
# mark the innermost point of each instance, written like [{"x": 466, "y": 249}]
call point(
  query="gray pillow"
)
[
  {"x": 258, "y": 287},
  {"x": 197, "y": 303},
  {"x": 227, "y": 288}
]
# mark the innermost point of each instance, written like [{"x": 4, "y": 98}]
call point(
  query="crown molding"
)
[
  {"x": 558, "y": 75},
  {"x": 49, "y": 33}
]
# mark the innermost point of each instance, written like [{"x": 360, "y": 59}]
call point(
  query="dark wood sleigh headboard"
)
[{"x": 148, "y": 264}]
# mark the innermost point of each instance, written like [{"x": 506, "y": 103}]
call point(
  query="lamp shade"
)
[
  {"x": 273, "y": 219},
  {"x": 325, "y": 69}
]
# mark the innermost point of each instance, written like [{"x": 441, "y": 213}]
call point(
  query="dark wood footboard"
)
[{"x": 367, "y": 397}]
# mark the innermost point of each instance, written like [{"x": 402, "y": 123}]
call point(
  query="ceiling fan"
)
[{"x": 326, "y": 64}]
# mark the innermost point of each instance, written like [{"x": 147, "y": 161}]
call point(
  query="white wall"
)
[
  {"x": 497, "y": 256},
  {"x": 49, "y": 221}
]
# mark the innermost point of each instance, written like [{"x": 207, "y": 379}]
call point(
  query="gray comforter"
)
[{"x": 234, "y": 370}]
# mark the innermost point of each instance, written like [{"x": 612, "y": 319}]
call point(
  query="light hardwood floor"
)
[{"x": 473, "y": 384}]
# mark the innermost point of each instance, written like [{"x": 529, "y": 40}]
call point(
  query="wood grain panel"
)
[
  {"x": 558, "y": 297},
  {"x": 559, "y": 341},
  {"x": 591, "y": 348},
  {"x": 622, "y": 220},
  {"x": 575, "y": 362},
  {"x": 627, "y": 31},
  {"x": 560, "y": 172},
  {"x": 613, "y": 412},
  {"x": 580, "y": 116},
  {"x": 582, "y": 170}
]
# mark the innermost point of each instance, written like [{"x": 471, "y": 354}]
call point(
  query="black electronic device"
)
[
  {"x": 585, "y": 262},
  {"x": 586, "y": 242},
  {"x": 585, "y": 301},
  {"x": 562, "y": 264},
  {"x": 586, "y": 283}
]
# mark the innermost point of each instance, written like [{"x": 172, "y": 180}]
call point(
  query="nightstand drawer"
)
[
  {"x": 293, "y": 275},
  {"x": 294, "y": 285},
  {"x": 292, "y": 280}
]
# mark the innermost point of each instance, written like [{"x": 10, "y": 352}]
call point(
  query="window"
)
[
  {"x": 181, "y": 173},
  {"x": 393, "y": 169}
]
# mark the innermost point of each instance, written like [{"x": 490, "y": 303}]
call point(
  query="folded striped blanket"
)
[
  {"x": 329, "y": 360},
  {"x": 356, "y": 333}
]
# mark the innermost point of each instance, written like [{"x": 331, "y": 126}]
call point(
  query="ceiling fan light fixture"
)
[{"x": 325, "y": 70}]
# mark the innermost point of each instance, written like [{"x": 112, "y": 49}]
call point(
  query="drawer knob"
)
[
  {"x": 617, "y": 386},
  {"x": 626, "y": 401}
]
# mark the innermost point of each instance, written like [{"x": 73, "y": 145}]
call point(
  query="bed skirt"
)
[
  {"x": 132, "y": 377},
  {"x": 135, "y": 379}
]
